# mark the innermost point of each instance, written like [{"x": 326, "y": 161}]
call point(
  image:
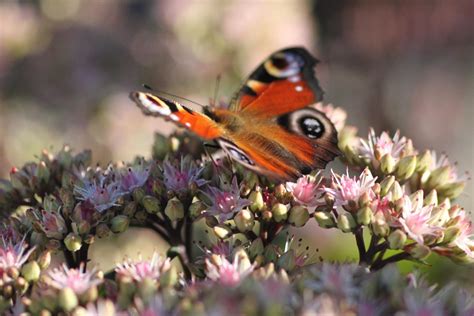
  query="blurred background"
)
[{"x": 66, "y": 68}]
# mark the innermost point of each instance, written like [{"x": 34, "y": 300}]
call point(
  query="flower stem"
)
[
  {"x": 360, "y": 245},
  {"x": 379, "y": 264}
]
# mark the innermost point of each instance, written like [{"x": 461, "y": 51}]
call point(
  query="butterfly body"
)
[{"x": 269, "y": 126}]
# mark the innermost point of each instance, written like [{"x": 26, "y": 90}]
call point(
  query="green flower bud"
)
[
  {"x": 397, "y": 239},
  {"x": 138, "y": 194},
  {"x": 196, "y": 208},
  {"x": 152, "y": 204},
  {"x": 406, "y": 167},
  {"x": 119, "y": 224},
  {"x": 21, "y": 285},
  {"x": 387, "y": 164},
  {"x": 130, "y": 209},
  {"x": 345, "y": 222},
  {"x": 146, "y": 289},
  {"x": 279, "y": 212},
  {"x": 287, "y": 261},
  {"x": 73, "y": 242},
  {"x": 299, "y": 215},
  {"x": 397, "y": 191},
  {"x": 380, "y": 227},
  {"x": 83, "y": 228},
  {"x": 256, "y": 199},
  {"x": 431, "y": 198},
  {"x": 365, "y": 216},
  {"x": 324, "y": 219},
  {"x": 16, "y": 180},
  {"x": 267, "y": 215},
  {"x": 222, "y": 231},
  {"x": 174, "y": 209},
  {"x": 42, "y": 172},
  {"x": 31, "y": 271},
  {"x": 424, "y": 161},
  {"x": 244, "y": 220},
  {"x": 386, "y": 185},
  {"x": 89, "y": 296},
  {"x": 169, "y": 278},
  {"x": 420, "y": 252},
  {"x": 67, "y": 299},
  {"x": 103, "y": 231},
  {"x": 44, "y": 260},
  {"x": 256, "y": 248},
  {"x": 451, "y": 234},
  {"x": 280, "y": 190},
  {"x": 244, "y": 261},
  {"x": 438, "y": 177},
  {"x": 452, "y": 190},
  {"x": 365, "y": 199}
]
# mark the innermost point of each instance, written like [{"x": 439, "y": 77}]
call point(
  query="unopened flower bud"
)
[
  {"x": 451, "y": 234},
  {"x": 418, "y": 251},
  {"x": 380, "y": 227},
  {"x": 138, "y": 194},
  {"x": 424, "y": 161},
  {"x": 174, "y": 209},
  {"x": 244, "y": 261},
  {"x": 406, "y": 167},
  {"x": 256, "y": 248},
  {"x": 103, "y": 231},
  {"x": 21, "y": 285},
  {"x": 387, "y": 164},
  {"x": 324, "y": 219},
  {"x": 222, "y": 231},
  {"x": 244, "y": 220},
  {"x": 452, "y": 190},
  {"x": 31, "y": 271},
  {"x": 267, "y": 215},
  {"x": 280, "y": 212},
  {"x": 280, "y": 190},
  {"x": 256, "y": 200},
  {"x": 119, "y": 224},
  {"x": 431, "y": 198},
  {"x": 83, "y": 227},
  {"x": 73, "y": 242},
  {"x": 44, "y": 259},
  {"x": 397, "y": 239},
  {"x": 376, "y": 188},
  {"x": 152, "y": 204},
  {"x": 287, "y": 261},
  {"x": 386, "y": 185},
  {"x": 365, "y": 215},
  {"x": 130, "y": 209},
  {"x": 90, "y": 295},
  {"x": 67, "y": 299},
  {"x": 345, "y": 222},
  {"x": 169, "y": 278},
  {"x": 42, "y": 172},
  {"x": 397, "y": 191},
  {"x": 197, "y": 208},
  {"x": 438, "y": 177},
  {"x": 299, "y": 215},
  {"x": 365, "y": 199}
]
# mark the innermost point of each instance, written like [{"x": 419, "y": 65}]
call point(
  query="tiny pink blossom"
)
[
  {"x": 306, "y": 190},
  {"x": 13, "y": 255},
  {"x": 345, "y": 189},
  {"x": 415, "y": 219},
  {"x": 465, "y": 240},
  {"x": 79, "y": 280},
  {"x": 227, "y": 273},
  {"x": 143, "y": 269},
  {"x": 377, "y": 146}
]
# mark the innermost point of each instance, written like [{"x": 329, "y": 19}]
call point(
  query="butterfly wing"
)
[
  {"x": 199, "y": 123},
  {"x": 284, "y": 82}
]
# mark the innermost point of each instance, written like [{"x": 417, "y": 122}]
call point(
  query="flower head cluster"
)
[
  {"x": 13, "y": 257},
  {"x": 226, "y": 202},
  {"x": 180, "y": 178},
  {"x": 224, "y": 272},
  {"x": 306, "y": 190},
  {"x": 143, "y": 269},
  {"x": 78, "y": 280},
  {"x": 134, "y": 176},
  {"x": 102, "y": 192}
]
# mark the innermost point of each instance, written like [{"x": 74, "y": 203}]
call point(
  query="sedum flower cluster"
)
[{"x": 230, "y": 232}]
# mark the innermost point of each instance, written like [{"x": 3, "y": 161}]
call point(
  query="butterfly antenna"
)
[
  {"x": 171, "y": 95},
  {"x": 216, "y": 90}
]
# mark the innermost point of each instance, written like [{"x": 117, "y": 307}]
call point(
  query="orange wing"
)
[
  {"x": 283, "y": 83},
  {"x": 198, "y": 123}
]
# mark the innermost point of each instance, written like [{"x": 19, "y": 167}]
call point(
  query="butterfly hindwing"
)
[{"x": 283, "y": 83}]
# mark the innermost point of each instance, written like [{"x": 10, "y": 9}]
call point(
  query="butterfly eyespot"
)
[
  {"x": 284, "y": 65},
  {"x": 311, "y": 127}
]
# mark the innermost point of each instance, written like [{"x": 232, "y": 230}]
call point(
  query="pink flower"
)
[
  {"x": 79, "y": 280},
  {"x": 226, "y": 202},
  {"x": 227, "y": 273},
  {"x": 13, "y": 255},
  {"x": 306, "y": 190},
  {"x": 135, "y": 176},
  {"x": 179, "y": 178},
  {"x": 345, "y": 189},
  {"x": 465, "y": 240},
  {"x": 377, "y": 146},
  {"x": 143, "y": 269},
  {"x": 415, "y": 218}
]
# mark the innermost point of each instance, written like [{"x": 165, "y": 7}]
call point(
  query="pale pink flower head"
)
[
  {"x": 229, "y": 273},
  {"x": 13, "y": 255},
  {"x": 307, "y": 190},
  {"x": 143, "y": 269},
  {"x": 345, "y": 189},
  {"x": 465, "y": 240},
  {"x": 415, "y": 218},
  {"x": 378, "y": 146},
  {"x": 382, "y": 206},
  {"x": 79, "y": 280}
]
